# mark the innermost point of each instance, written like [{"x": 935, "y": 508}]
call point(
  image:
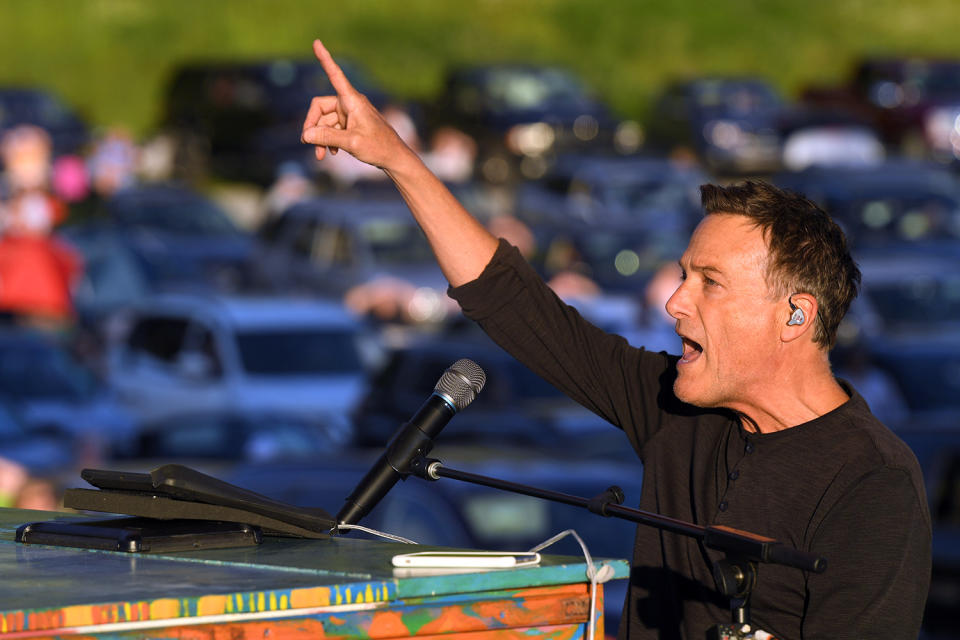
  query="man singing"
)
[{"x": 746, "y": 428}]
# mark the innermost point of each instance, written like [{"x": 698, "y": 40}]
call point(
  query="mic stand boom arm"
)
[{"x": 734, "y": 576}]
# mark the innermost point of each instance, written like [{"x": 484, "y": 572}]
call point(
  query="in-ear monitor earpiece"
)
[{"x": 797, "y": 317}]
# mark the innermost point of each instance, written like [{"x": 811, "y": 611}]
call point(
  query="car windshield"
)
[
  {"x": 32, "y": 106},
  {"x": 30, "y": 372},
  {"x": 636, "y": 194},
  {"x": 528, "y": 89},
  {"x": 914, "y": 301},
  {"x": 394, "y": 242},
  {"x": 298, "y": 352},
  {"x": 890, "y": 88},
  {"x": 616, "y": 258},
  {"x": 736, "y": 97},
  {"x": 498, "y": 520},
  {"x": 180, "y": 215},
  {"x": 292, "y": 83},
  {"x": 909, "y": 217}
]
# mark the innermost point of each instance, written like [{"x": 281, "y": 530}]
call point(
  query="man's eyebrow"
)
[{"x": 702, "y": 268}]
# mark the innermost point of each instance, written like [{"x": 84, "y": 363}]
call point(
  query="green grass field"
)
[{"x": 111, "y": 57}]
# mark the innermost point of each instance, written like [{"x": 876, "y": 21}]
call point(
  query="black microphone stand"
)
[{"x": 735, "y": 575}]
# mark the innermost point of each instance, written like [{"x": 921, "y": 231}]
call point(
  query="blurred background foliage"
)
[{"x": 111, "y": 58}]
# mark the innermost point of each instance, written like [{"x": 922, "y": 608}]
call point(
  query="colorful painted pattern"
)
[
  {"x": 359, "y": 611},
  {"x": 209, "y": 605}
]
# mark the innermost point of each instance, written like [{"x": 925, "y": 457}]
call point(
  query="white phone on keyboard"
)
[{"x": 467, "y": 559}]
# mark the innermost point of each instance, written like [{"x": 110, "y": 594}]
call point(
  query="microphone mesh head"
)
[{"x": 461, "y": 382}]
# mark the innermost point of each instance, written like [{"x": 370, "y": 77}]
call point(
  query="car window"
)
[
  {"x": 33, "y": 106},
  {"x": 395, "y": 242},
  {"x": 159, "y": 338},
  {"x": 528, "y": 89},
  {"x": 177, "y": 215},
  {"x": 302, "y": 234},
  {"x": 496, "y": 518},
  {"x": 201, "y": 437},
  {"x": 298, "y": 352},
  {"x": 914, "y": 301},
  {"x": 342, "y": 250},
  {"x": 280, "y": 441},
  {"x": 31, "y": 371},
  {"x": 201, "y": 343},
  {"x": 909, "y": 218}
]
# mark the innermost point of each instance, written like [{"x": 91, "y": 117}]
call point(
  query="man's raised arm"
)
[{"x": 348, "y": 121}]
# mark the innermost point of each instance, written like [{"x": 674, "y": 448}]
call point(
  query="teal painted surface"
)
[{"x": 41, "y": 577}]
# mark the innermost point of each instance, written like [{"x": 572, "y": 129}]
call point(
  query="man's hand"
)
[{"x": 348, "y": 121}]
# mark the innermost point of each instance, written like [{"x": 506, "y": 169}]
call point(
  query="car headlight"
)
[
  {"x": 628, "y": 137},
  {"x": 586, "y": 127},
  {"x": 942, "y": 128},
  {"x": 531, "y": 139},
  {"x": 724, "y": 134},
  {"x": 426, "y": 305}
]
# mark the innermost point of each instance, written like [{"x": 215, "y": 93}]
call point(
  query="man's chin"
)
[{"x": 687, "y": 393}]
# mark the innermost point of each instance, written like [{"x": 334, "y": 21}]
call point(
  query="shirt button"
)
[
  {"x": 722, "y": 506},
  {"x": 734, "y": 474},
  {"x": 749, "y": 447}
]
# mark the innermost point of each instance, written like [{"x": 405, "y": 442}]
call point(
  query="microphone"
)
[{"x": 457, "y": 387}]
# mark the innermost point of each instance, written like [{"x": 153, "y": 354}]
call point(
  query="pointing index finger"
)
[{"x": 337, "y": 78}]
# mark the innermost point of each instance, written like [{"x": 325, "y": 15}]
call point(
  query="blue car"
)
[
  {"x": 729, "y": 123},
  {"x": 40, "y": 107},
  {"x": 893, "y": 204},
  {"x": 179, "y": 238}
]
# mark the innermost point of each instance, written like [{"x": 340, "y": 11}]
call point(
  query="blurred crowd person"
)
[
  {"x": 291, "y": 185},
  {"x": 37, "y": 271},
  {"x": 21, "y": 490}
]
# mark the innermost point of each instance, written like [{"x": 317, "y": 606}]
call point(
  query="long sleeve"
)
[
  {"x": 601, "y": 371},
  {"x": 878, "y": 546}
]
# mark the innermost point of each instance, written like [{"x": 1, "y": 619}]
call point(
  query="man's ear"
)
[{"x": 799, "y": 316}]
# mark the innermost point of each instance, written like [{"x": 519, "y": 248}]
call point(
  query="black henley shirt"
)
[{"x": 842, "y": 486}]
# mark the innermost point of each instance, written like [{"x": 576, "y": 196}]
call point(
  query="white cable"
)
[
  {"x": 596, "y": 576},
  {"x": 388, "y": 536}
]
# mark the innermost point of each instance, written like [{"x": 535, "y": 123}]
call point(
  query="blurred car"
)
[
  {"x": 192, "y": 353},
  {"x": 938, "y": 452},
  {"x": 53, "y": 393},
  {"x": 368, "y": 252},
  {"x": 113, "y": 276},
  {"x": 890, "y": 204},
  {"x": 516, "y": 407},
  {"x": 651, "y": 192},
  {"x": 521, "y": 115},
  {"x": 232, "y": 435},
  {"x": 457, "y": 514},
  {"x": 913, "y": 101},
  {"x": 616, "y": 220},
  {"x": 908, "y": 319},
  {"x": 240, "y": 120},
  {"x": 827, "y": 137},
  {"x": 728, "y": 123},
  {"x": 42, "y": 452},
  {"x": 180, "y": 238},
  {"x": 43, "y": 108}
]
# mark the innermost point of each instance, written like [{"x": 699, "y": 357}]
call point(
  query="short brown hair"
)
[{"x": 807, "y": 250}]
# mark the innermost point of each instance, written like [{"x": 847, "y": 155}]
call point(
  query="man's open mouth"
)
[{"x": 691, "y": 350}]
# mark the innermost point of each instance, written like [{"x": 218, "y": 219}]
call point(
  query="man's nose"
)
[{"x": 677, "y": 304}]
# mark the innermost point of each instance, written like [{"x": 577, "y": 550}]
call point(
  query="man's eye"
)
[{"x": 709, "y": 281}]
